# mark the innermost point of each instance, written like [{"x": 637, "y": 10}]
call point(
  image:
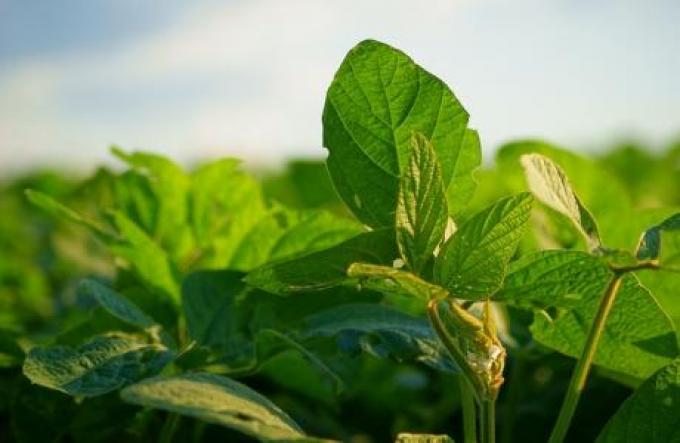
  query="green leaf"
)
[
  {"x": 100, "y": 366},
  {"x": 551, "y": 186},
  {"x": 554, "y": 278},
  {"x": 422, "y": 211},
  {"x": 378, "y": 97},
  {"x": 422, "y": 438},
  {"x": 380, "y": 331},
  {"x": 225, "y": 204},
  {"x": 472, "y": 263},
  {"x": 147, "y": 259},
  {"x": 325, "y": 268},
  {"x": 170, "y": 185},
  {"x": 116, "y": 305},
  {"x": 218, "y": 400},
  {"x": 638, "y": 339},
  {"x": 240, "y": 324},
  {"x": 463, "y": 183},
  {"x": 649, "y": 247},
  {"x": 215, "y": 307},
  {"x": 651, "y": 414},
  {"x": 284, "y": 234},
  {"x": 58, "y": 210}
]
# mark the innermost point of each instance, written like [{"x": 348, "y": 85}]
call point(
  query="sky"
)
[{"x": 247, "y": 78}]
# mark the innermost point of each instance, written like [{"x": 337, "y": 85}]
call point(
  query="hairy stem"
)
[
  {"x": 467, "y": 401},
  {"x": 580, "y": 375}
]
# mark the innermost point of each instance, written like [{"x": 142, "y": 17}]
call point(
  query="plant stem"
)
[
  {"x": 580, "y": 375},
  {"x": 488, "y": 420},
  {"x": 467, "y": 401}
]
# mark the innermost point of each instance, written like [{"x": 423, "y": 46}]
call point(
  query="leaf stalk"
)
[{"x": 584, "y": 363}]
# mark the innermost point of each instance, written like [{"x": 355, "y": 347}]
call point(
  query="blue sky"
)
[{"x": 247, "y": 78}]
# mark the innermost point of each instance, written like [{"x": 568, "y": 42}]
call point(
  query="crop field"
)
[{"x": 404, "y": 289}]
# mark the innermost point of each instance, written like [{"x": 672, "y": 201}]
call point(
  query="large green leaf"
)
[
  {"x": 378, "y": 97},
  {"x": 472, "y": 263},
  {"x": 100, "y": 366},
  {"x": 217, "y": 400},
  {"x": 422, "y": 211},
  {"x": 551, "y": 186},
  {"x": 651, "y": 414},
  {"x": 638, "y": 339},
  {"x": 554, "y": 278},
  {"x": 325, "y": 268}
]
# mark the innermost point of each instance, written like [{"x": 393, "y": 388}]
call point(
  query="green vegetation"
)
[{"x": 407, "y": 295}]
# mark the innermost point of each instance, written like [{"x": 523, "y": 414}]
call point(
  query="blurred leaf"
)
[
  {"x": 422, "y": 211},
  {"x": 284, "y": 234},
  {"x": 147, "y": 259},
  {"x": 116, "y": 305},
  {"x": 58, "y": 210},
  {"x": 11, "y": 354},
  {"x": 169, "y": 184},
  {"x": 100, "y": 366},
  {"x": 381, "y": 331},
  {"x": 651, "y": 414},
  {"x": 378, "y": 97},
  {"x": 472, "y": 263},
  {"x": 245, "y": 327}
]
